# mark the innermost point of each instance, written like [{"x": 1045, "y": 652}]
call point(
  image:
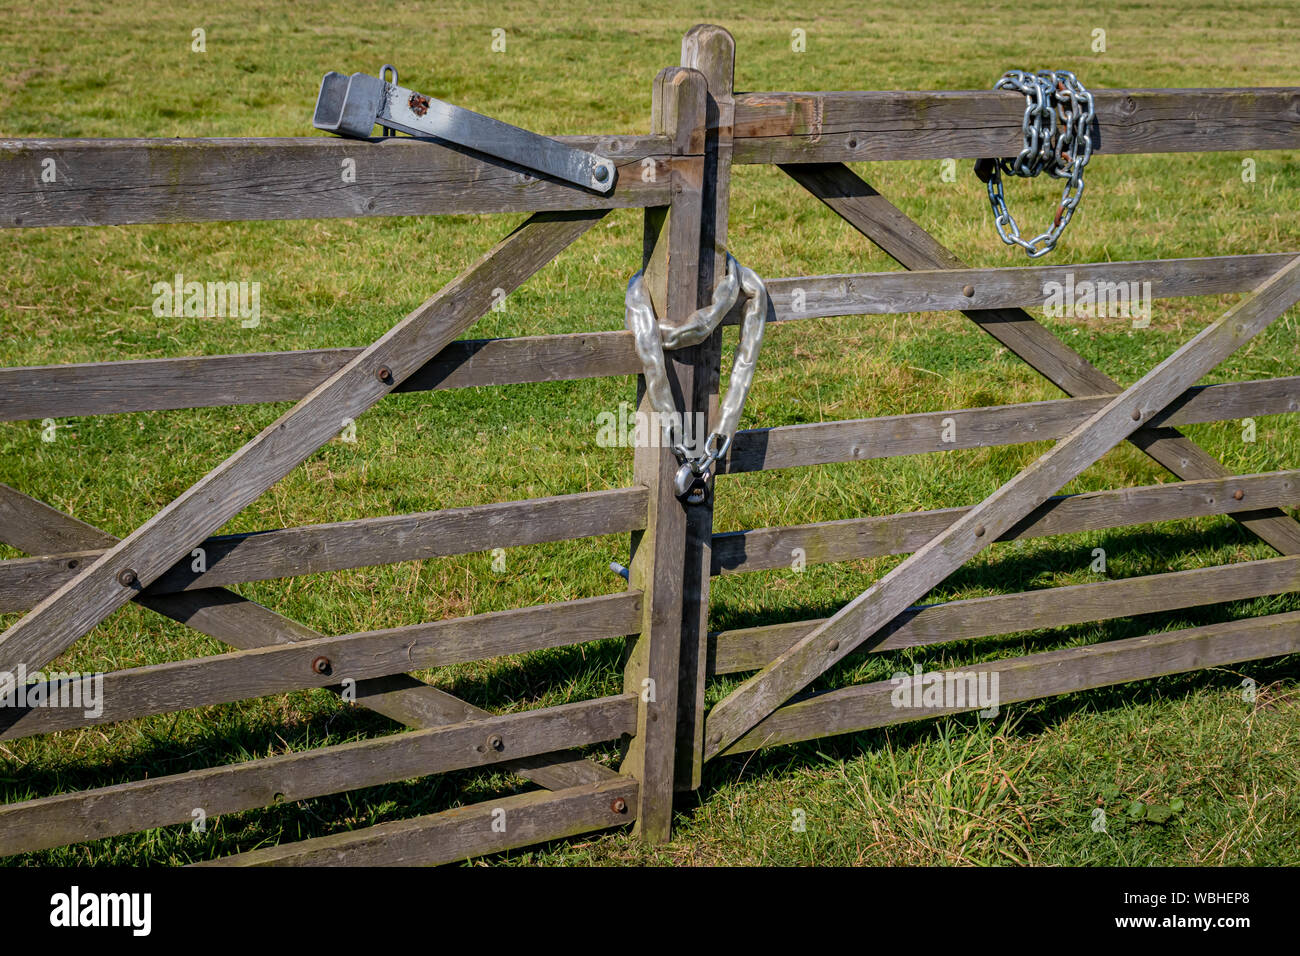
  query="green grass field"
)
[{"x": 1020, "y": 788}]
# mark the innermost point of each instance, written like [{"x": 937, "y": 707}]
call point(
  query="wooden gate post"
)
[
  {"x": 671, "y": 263},
  {"x": 712, "y": 51}
]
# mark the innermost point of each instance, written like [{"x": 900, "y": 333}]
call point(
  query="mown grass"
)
[{"x": 1020, "y": 788}]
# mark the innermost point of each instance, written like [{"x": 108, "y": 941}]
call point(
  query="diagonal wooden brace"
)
[
  {"x": 36, "y": 528},
  {"x": 889, "y": 228},
  {"x": 121, "y": 572},
  {"x": 907, "y": 583}
]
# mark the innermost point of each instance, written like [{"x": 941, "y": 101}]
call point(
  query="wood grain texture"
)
[
  {"x": 97, "y": 590},
  {"x": 1038, "y": 675},
  {"x": 119, "y": 181},
  {"x": 753, "y": 647},
  {"x": 160, "y": 801},
  {"x": 867, "y": 211},
  {"x": 244, "y": 624},
  {"x": 852, "y": 127},
  {"x": 711, "y": 50},
  {"x": 239, "y": 675},
  {"x": 101, "y": 388},
  {"x": 737, "y": 552},
  {"x": 862, "y": 618},
  {"x": 819, "y": 443},
  {"x": 671, "y": 256},
  {"x": 205, "y": 381},
  {"x": 364, "y": 542},
  {"x": 462, "y": 833}
]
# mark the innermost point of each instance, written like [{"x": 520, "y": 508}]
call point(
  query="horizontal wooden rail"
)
[
  {"x": 102, "y": 182},
  {"x": 459, "y": 834},
  {"x": 205, "y": 381},
  {"x": 755, "y": 647},
  {"x": 957, "y": 290},
  {"x": 1047, "y": 674},
  {"x": 737, "y": 552},
  {"x": 329, "y": 661},
  {"x": 845, "y": 127},
  {"x": 98, "y": 388},
  {"x": 821, "y": 443},
  {"x": 159, "y": 801},
  {"x": 365, "y": 542}
]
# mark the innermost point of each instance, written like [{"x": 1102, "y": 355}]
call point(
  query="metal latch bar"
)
[{"x": 353, "y": 105}]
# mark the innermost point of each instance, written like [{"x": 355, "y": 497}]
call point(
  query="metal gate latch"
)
[{"x": 353, "y": 105}]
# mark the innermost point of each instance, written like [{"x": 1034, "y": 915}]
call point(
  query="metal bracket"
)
[{"x": 352, "y": 105}]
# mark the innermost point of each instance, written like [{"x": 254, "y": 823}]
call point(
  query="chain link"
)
[
  {"x": 651, "y": 338},
  {"x": 1057, "y": 140}
]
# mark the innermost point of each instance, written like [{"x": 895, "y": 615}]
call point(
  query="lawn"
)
[{"x": 1020, "y": 788}]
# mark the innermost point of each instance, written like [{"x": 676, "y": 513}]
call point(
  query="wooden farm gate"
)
[{"x": 680, "y": 175}]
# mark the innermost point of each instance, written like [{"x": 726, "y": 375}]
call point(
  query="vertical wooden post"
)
[
  {"x": 671, "y": 257},
  {"x": 712, "y": 51}
]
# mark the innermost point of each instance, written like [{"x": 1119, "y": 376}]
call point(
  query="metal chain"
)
[
  {"x": 1058, "y": 140},
  {"x": 651, "y": 338}
]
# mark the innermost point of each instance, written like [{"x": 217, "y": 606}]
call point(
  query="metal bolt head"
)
[
  {"x": 968, "y": 291},
  {"x": 600, "y": 173},
  {"x": 1238, "y": 494},
  {"x": 979, "y": 532},
  {"x": 126, "y": 577},
  {"x": 1137, "y": 414},
  {"x": 321, "y": 665},
  {"x": 496, "y": 743},
  {"x": 619, "y": 805},
  {"x": 384, "y": 374}
]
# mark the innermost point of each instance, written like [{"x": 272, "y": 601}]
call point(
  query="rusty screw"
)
[
  {"x": 1238, "y": 494},
  {"x": 321, "y": 665},
  {"x": 619, "y": 805},
  {"x": 968, "y": 291},
  {"x": 126, "y": 577},
  {"x": 496, "y": 743},
  {"x": 384, "y": 374}
]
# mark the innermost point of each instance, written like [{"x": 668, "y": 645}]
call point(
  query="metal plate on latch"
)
[{"x": 354, "y": 105}]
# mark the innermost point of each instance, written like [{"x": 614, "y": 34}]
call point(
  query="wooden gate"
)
[{"x": 680, "y": 174}]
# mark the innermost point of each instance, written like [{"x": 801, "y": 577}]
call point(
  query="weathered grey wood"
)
[
  {"x": 159, "y": 801},
  {"x": 100, "y": 388},
  {"x": 311, "y": 549},
  {"x": 848, "y": 127},
  {"x": 944, "y": 290},
  {"x": 760, "y": 549},
  {"x": 819, "y": 443},
  {"x": 884, "y": 224},
  {"x": 712, "y": 51},
  {"x": 864, "y": 616},
  {"x": 753, "y": 647},
  {"x": 461, "y": 833},
  {"x": 58, "y": 621},
  {"x": 671, "y": 257},
  {"x": 117, "y": 181},
  {"x": 239, "y": 675},
  {"x": 245, "y": 624},
  {"x": 1038, "y": 675}
]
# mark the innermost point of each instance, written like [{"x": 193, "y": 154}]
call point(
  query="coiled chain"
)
[
  {"x": 1058, "y": 140},
  {"x": 651, "y": 338}
]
